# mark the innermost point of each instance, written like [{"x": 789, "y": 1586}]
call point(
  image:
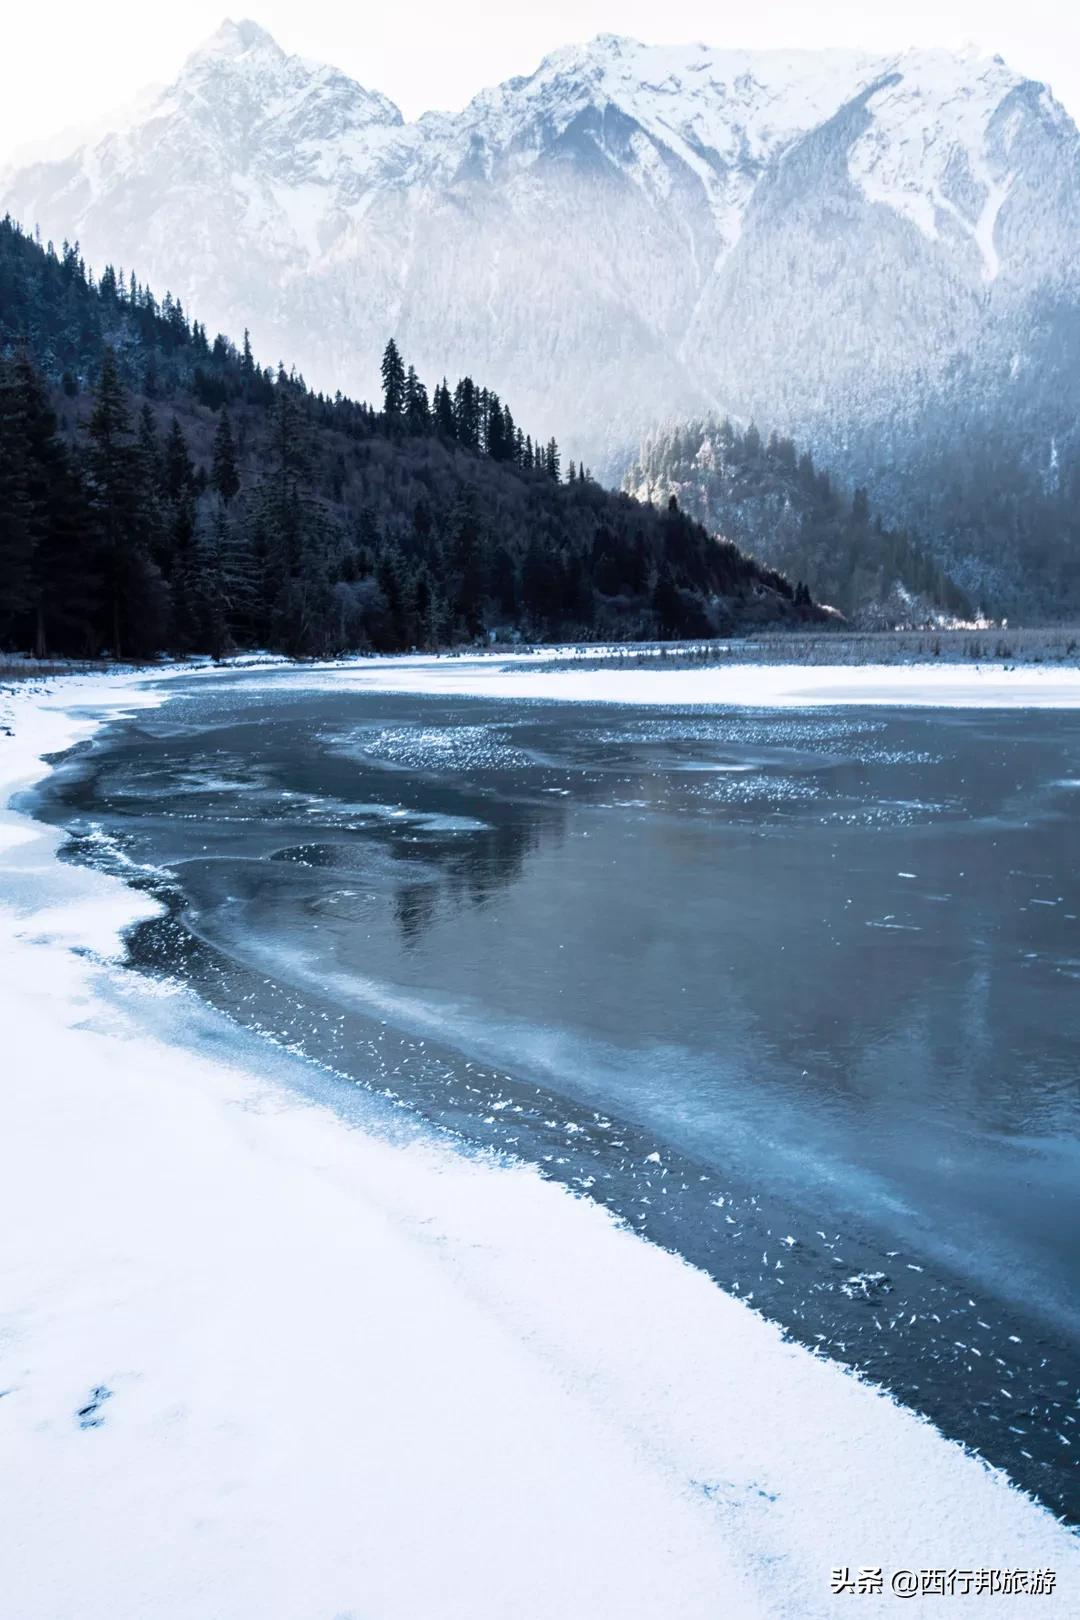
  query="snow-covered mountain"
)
[{"x": 841, "y": 245}]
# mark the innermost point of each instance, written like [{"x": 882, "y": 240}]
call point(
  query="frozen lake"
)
[{"x": 796, "y": 994}]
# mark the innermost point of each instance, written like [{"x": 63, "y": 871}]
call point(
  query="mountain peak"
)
[
  {"x": 249, "y": 82},
  {"x": 237, "y": 39},
  {"x": 629, "y": 232},
  {"x": 613, "y": 44}
]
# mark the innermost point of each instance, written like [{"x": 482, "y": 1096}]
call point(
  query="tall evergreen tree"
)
[
  {"x": 16, "y": 508},
  {"x": 416, "y": 407},
  {"x": 178, "y": 471},
  {"x": 188, "y": 585},
  {"x": 241, "y": 583},
  {"x": 114, "y": 496},
  {"x": 64, "y": 586},
  {"x": 444, "y": 411},
  {"x": 224, "y": 476},
  {"x": 467, "y": 414},
  {"x": 393, "y": 381}
]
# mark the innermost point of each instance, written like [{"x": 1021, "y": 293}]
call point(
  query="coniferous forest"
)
[
  {"x": 161, "y": 490},
  {"x": 767, "y": 495}
]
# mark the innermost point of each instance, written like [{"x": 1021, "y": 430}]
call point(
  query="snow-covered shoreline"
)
[
  {"x": 551, "y": 675},
  {"x": 259, "y": 1364}
]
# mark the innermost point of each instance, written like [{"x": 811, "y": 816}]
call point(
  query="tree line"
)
[
  {"x": 468, "y": 415},
  {"x": 162, "y": 491}
]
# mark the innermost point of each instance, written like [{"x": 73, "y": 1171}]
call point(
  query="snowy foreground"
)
[{"x": 257, "y": 1364}]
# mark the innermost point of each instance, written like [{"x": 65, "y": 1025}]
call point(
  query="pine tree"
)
[
  {"x": 111, "y": 467},
  {"x": 187, "y": 584},
  {"x": 491, "y": 415},
  {"x": 240, "y": 580},
  {"x": 467, "y": 559},
  {"x": 224, "y": 477},
  {"x": 390, "y": 574},
  {"x": 149, "y": 448},
  {"x": 213, "y": 610},
  {"x": 444, "y": 411},
  {"x": 149, "y": 471},
  {"x": 16, "y": 510},
  {"x": 178, "y": 471},
  {"x": 467, "y": 414},
  {"x": 393, "y": 380},
  {"x": 292, "y": 534},
  {"x": 416, "y": 408},
  {"x": 64, "y": 583}
]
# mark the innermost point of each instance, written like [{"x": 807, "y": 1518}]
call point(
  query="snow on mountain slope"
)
[
  {"x": 281, "y": 147},
  {"x": 242, "y": 153},
  {"x": 720, "y": 115},
  {"x": 831, "y": 241}
]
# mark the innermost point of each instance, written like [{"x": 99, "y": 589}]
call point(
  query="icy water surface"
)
[{"x": 797, "y": 995}]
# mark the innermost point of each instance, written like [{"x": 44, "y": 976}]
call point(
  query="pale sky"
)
[{"x": 67, "y": 62}]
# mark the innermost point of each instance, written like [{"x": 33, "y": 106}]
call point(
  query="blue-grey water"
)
[{"x": 797, "y": 995}]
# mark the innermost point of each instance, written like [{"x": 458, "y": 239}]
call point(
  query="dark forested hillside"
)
[
  {"x": 770, "y": 499},
  {"x": 160, "y": 490}
]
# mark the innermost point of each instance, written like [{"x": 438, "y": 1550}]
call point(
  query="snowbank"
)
[
  {"x": 773, "y": 686},
  {"x": 260, "y": 1365}
]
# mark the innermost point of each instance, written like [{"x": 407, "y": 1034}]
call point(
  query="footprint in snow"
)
[{"x": 89, "y": 1416}]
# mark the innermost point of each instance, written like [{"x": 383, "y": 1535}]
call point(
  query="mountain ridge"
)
[
  {"x": 872, "y": 254},
  {"x": 725, "y": 117}
]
